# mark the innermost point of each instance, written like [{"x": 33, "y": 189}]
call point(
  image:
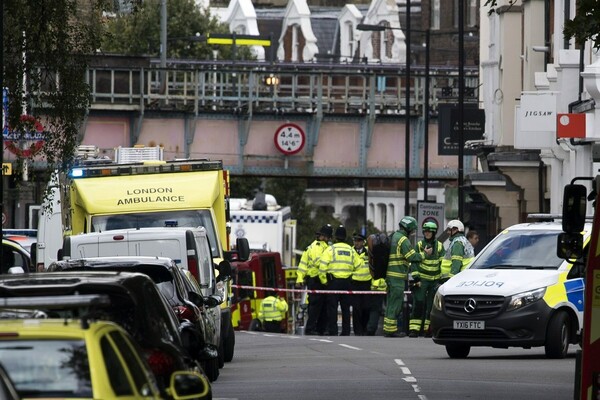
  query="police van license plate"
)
[{"x": 479, "y": 325}]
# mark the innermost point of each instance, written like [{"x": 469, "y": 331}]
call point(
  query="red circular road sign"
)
[{"x": 289, "y": 139}]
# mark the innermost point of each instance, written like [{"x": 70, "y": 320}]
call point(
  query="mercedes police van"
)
[{"x": 516, "y": 293}]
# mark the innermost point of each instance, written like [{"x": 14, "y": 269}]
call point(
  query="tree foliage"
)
[
  {"x": 586, "y": 24},
  {"x": 47, "y": 44},
  {"x": 137, "y": 31}
]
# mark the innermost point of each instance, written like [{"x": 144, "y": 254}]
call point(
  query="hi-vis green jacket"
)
[
  {"x": 401, "y": 254},
  {"x": 430, "y": 268}
]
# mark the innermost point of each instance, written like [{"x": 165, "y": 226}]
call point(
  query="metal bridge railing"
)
[{"x": 243, "y": 88}]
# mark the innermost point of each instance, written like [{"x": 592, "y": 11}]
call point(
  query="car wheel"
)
[
  {"x": 221, "y": 352},
  {"x": 229, "y": 343},
  {"x": 557, "y": 336},
  {"x": 458, "y": 350},
  {"x": 211, "y": 369}
]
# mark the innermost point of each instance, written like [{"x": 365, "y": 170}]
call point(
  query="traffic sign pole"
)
[{"x": 4, "y": 117}]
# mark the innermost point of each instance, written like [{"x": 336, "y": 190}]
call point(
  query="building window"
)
[
  {"x": 472, "y": 11},
  {"x": 295, "y": 44},
  {"x": 350, "y": 41},
  {"x": 384, "y": 218},
  {"x": 435, "y": 14}
]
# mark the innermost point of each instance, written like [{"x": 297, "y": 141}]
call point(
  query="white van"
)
[
  {"x": 188, "y": 247},
  {"x": 516, "y": 293}
]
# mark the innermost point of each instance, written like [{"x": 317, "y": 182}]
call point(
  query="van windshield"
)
[
  {"x": 520, "y": 250},
  {"x": 159, "y": 219}
]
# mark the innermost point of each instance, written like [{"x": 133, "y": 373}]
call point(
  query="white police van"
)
[{"x": 516, "y": 293}]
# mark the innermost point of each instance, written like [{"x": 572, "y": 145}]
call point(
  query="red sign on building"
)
[{"x": 570, "y": 126}]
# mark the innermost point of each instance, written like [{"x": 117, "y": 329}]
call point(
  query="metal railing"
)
[{"x": 199, "y": 87}]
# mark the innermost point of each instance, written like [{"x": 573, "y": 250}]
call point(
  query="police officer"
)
[
  {"x": 272, "y": 311},
  {"x": 308, "y": 272},
  {"x": 460, "y": 251},
  {"x": 361, "y": 281},
  {"x": 425, "y": 276},
  {"x": 401, "y": 254},
  {"x": 338, "y": 263}
]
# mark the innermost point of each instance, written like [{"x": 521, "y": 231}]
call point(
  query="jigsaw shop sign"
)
[{"x": 427, "y": 212}]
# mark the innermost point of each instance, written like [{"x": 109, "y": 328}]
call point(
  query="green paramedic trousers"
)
[{"x": 395, "y": 298}]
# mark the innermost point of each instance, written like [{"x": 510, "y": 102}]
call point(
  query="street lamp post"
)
[
  {"x": 379, "y": 28},
  {"x": 426, "y": 118},
  {"x": 407, "y": 121},
  {"x": 426, "y": 105},
  {"x": 461, "y": 105}
]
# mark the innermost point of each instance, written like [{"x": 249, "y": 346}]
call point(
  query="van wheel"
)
[
  {"x": 221, "y": 352},
  {"x": 211, "y": 369},
  {"x": 229, "y": 343},
  {"x": 458, "y": 350},
  {"x": 557, "y": 336}
]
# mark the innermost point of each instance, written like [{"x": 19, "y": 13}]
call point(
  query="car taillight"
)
[
  {"x": 193, "y": 267},
  {"x": 161, "y": 363},
  {"x": 184, "y": 312}
]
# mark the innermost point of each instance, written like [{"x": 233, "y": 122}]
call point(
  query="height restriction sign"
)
[
  {"x": 427, "y": 211},
  {"x": 289, "y": 139}
]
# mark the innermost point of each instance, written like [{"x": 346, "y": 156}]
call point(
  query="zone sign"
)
[{"x": 289, "y": 139}]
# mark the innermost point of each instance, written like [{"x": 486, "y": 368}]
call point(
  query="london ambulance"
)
[{"x": 516, "y": 293}]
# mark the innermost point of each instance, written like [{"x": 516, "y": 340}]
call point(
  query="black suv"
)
[
  {"x": 187, "y": 304},
  {"x": 139, "y": 308}
]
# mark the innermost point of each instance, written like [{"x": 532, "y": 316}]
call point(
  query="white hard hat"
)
[{"x": 456, "y": 224}]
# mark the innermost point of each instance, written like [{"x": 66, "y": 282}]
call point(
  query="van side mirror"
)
[
  {"x": 569, "y": 246},
  {"x": 574, "y": 208},
  {"x": 241, "y": 251},
  {"x": 224, "y": 269},
  {"x": 33, "y": 256}
]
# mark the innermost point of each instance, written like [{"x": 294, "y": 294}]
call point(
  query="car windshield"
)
[
  {"x": 520, "y": 249},
  {"x": 180, "y": 218},
  {"x": 47, "y": 368}
]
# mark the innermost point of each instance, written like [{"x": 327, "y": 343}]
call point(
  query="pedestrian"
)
[
  {"x": 272, "y": 311},
  {"x": 338, "y": 263},
  {"x": 459, "y": 253},
  {"x": 473, "y": 238},
  {"x": 425, "y": 280},
  {"x": 401, "y": 254},
  {"x": 361, "y": 281},
  {"x": 308, "y": 273},
  {"x": 375, "y": 305}
]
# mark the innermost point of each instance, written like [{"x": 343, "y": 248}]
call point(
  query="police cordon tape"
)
[{"x": 311, "y": 290}]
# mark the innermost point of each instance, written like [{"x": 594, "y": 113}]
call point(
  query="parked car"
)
[
  {"x": 15, "y": 258},
  {"x": 138, "y": 307},
  {"x": 82, "y": 358},
  {"x": 188, "y": 304},
  {"x": 188, "y": 247},
  {"x": 214, "y": 313},
  {"x": 8, "y": 391}
]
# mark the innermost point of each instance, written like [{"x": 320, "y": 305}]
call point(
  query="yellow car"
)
[{"x": 80, "y": 358}]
